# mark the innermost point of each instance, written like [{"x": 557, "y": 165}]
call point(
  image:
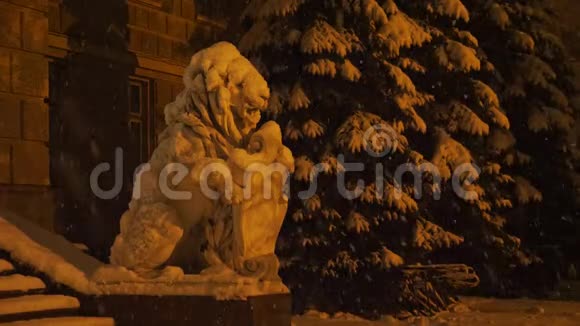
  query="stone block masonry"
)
[
  {"x": 150, "y": 39},
  {"x": 158, "y": 22},
  {"x": 24, "y": 119},
  {"x": 4, "y": 70},
  {"x": 10, "y": 117},
  {"x": 35, "y": 120},
  {"x": 29, "y": 74},
  {"x": 5, "y": 163},
  {"x": 270, "y": 310},
  {"x": 35, "y": 36},
  {"x": 177, "y": 28},
  {"x": 30, "y": 163},
  {"x": 23, "y": 88},
  {"x": 157, "y": 32},
  {"x": 10, "y": 33}
]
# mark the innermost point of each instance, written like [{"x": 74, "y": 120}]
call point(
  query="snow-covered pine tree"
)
[
  {"x": 339, "y": 68},
  {"x": 463, "y": 80},
  {"x": 537, "y": 92}
]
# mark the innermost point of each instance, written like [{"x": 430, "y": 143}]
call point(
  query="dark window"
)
[
  {"x": 139, "y": 127},
  {"x": 136, "y": 132},
  {"x": 140, "y": 120},
  {"x": 135, "y": 98}
]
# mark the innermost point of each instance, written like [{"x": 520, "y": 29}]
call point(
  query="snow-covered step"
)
[
  {"x": 64, "y": 321},
  {"x": 19, "y": 284},
  {"x": 82, "y": 247},
  {"x": 37, "y": 306},
  {"x": 6, "y": 267}
]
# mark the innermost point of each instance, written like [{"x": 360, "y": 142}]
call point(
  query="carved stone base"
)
[{"x": 140, "y": 310}]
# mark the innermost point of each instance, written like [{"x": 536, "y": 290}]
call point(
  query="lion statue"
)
[{"x": 212, "y": 197}]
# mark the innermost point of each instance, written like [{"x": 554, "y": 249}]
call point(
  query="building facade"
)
[
  {"x": 80, "y": 79},
  {"x": 80, "y": 82}
]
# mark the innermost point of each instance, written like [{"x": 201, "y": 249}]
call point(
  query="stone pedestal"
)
[
  {"x": 141, "y": 310},
  {"x": 569, "y": 290}
]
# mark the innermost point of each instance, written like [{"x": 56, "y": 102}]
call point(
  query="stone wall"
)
[
  {"x": 94, "y": 48},
  {"x": 101, "y": 47},
  {"x": 159, "y": 28},
  {"x": 24, "y": 125},
  {"x": 65, "y": 69}
]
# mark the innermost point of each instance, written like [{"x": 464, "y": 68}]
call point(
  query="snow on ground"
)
[
  {"x": 51, "y": 254},
  {"x": 5, "y": 266},
  {"x": 65, "y": 321},
  {"x": 34, "y": 303},
  {"x": 20, "y": 283},
  {"x": 473, "y": 312},
  {"x": 66, "y": 264}
]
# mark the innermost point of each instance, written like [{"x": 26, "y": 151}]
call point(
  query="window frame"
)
[{"x": 145, "y": 115}]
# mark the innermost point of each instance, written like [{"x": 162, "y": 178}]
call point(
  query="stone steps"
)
[
  {"x": 18, "y": 285},
  {"x": 569, "y": 290},
  {"x": 37, "y": 306},
  {"x": 64, "y": 321},
  {"x": 6, "y": 267},
  {"x": 26, "y": 300}
]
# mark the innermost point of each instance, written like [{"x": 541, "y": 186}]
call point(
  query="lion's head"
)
[{"x": 228, "y": 88}]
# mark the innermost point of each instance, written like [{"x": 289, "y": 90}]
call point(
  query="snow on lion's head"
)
[{"x": 226, "y": 87}]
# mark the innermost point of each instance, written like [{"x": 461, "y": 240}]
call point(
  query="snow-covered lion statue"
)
[{"x": 230, "y": 221}]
